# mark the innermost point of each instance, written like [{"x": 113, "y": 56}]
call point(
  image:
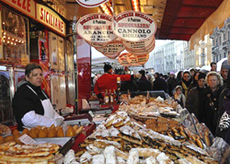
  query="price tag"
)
[
  {"x": 91, "y": 114},
  {"x": 27, "y": 139}
]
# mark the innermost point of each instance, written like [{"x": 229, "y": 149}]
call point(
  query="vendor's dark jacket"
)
[
  {"x": 25, "y": 101},
  {"x": 171, "y": 82},
  {"x": 208, "y": 106},
  {"x": 192, "y": 101},
  {"x": 160, "y": 84}
]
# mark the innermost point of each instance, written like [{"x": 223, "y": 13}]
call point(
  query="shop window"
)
[{"x": 15, "y": 37}]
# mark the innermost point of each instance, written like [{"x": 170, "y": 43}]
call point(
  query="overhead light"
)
[{"x": 135, "y": 5}]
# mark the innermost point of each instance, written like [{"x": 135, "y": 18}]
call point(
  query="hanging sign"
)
[
  {"x": 114, "y": 47},
  {"x": 113, "y": 56},
  {"x": 96, "y": 28},
  {"x": 142, "y": 51},
  {"x": 142, "y": 59},
  {"x": 134, "y": 26},
  {"x": 132, "y": 59},
  {"x": 97, "y": 45},
  {"x": 139, "y": 45},
  {"x": 90, "y": 3},
  {"x": 122, "y": 59}
]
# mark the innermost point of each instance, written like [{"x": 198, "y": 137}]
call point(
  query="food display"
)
[
  {"x": 140, "y": 108},
  {"x": 11, "y": 152},
  {"x": 121, "y": 139}
]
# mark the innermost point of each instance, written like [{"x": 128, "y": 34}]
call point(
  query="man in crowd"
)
[
  {"x": 185, "y": 82},
  {"x": 213, "y": 66}
]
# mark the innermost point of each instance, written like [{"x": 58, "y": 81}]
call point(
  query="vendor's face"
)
[{"x": 35, "y": 77}]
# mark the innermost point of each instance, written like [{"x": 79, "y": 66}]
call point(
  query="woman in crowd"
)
[
  {"x": 179, "y": 96},
  {"x": 209, "y": 101}
]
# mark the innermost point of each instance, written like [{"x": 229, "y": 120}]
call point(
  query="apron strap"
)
[{"x": 36, "y": 93}]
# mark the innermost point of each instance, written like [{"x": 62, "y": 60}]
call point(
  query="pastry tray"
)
[{"x": 65, "y": 142}]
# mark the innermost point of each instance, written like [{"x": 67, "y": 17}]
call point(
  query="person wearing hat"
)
[
  {"x": 192, "y": 100},
  {"x": 179, "y": 96},
  {"x": 224, "y": 71},
  {"x": 171, "y": 83},
  {"x": 209, "y": 101},
  {"x": 144, "y": 84},
  {"x": 108, "y": 81}
]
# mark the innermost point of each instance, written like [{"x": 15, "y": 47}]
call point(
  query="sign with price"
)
[{"x": 90, "y": 3}]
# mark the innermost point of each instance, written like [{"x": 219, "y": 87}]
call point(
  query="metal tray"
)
[{"x": 65, "y": 142}]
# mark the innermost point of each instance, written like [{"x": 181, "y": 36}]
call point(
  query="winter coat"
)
[
  {"x": 160, "y": 84},
  {"x": 171, "y": 83}
]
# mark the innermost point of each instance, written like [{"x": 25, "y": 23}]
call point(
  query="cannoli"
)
[
  {"x": 110, "y": 155},
  {"x": 133, "y": 157}
]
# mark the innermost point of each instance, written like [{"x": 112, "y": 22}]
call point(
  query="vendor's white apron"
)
[{"x": 47, "y": 106}]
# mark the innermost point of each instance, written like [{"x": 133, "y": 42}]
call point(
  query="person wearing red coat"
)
[{"x": 108, "y": 81}]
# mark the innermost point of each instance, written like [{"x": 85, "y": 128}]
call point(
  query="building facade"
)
[{"x": 221, "y": 41}]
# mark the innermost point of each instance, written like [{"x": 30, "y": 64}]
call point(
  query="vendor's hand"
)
[
  {"x": 137, "y": 75},
  {"x": 58, "y": 121}
]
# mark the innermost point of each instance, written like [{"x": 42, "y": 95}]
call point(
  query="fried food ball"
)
[
  {"x": 33, "y": 133},
  {"x": 42, "y": 134},
  {"x": 60, "y": 133},
  {"x": 15, "y": 132},
  {"x": 70, "y": 132},
  {"x": 52, "y": 133},
  {"x": 25, "y": 131}
]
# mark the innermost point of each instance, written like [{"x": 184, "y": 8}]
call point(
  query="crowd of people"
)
[{"x": 204, "y": 93}]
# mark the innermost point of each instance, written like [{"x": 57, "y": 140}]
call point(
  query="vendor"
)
[
  {"x": 108, "y": 81},
  {"x": 31, "y": 106}
]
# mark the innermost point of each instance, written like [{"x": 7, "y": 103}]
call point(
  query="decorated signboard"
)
[
  {"x": 96, "y": 28},
  {"x": 90, "y": 3},
  {"x": 142, "y": 59},
  {"x": 132, "y": 59},
  {"x": 134, "y": 26},
  {"x": 112, "y": 49},
  {"x": 122, "y": 59}
]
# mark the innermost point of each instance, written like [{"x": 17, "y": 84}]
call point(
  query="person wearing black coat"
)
[
  {"x": 159, "y": 83},
  {"x": 209, "y": 101},
  {"x": 185, "y": 82},
  {"x": 192, "y": 101},
  {"x": 171, "y": 82},
  {"x": 143, "y": 84}
]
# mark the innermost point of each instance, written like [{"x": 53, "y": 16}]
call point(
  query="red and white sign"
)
[
  {"x": 132, "y": 59},
  {"x": 97, "y": 45},
  {"x": 112, "y": 48},
  {"x": 49, "y": 18},
  {"x": 96, "y": 28},
  {"x": 91, "y": 3},
  {"x": 134, "y": 26},
  {"x": 25, "y": 6},
  {"x": 122, "y": 59},
  {"x": 142, "y": 59}
]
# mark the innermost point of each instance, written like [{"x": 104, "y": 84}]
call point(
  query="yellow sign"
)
[
  {"x": 49, "y": 18},
  {"x": 25, "y": 6}
]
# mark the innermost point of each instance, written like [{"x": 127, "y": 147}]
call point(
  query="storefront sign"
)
[
  {"x": 143, "y": 51},
  {"x": 97, "y": 45},
  {"x": 113, "y": 56},
  {"x": 96, "y": 28},
  {"x": 25, "y": 6},
  {"x": 57, "y": 6},
  {"x": 122, "y": 59},
  {"x": 114, "y": 47},
  {"x": 50, "y": 19},
  {"x": 134, "y": 26},
  {"x": 91, "y": 3}
]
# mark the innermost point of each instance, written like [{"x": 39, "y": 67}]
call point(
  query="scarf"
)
[
  {"x": 185, "y": 89},
  {"x": 224, "y": 121}
]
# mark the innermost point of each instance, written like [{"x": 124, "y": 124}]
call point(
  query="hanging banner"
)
[
  {"x": 122, "y": 59},
  {"x": 96, "y": 28},
  {"x": 90, "y": 3},
  {"x": 134, "y": 26},
  {"x": 114, "y": 47}
]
